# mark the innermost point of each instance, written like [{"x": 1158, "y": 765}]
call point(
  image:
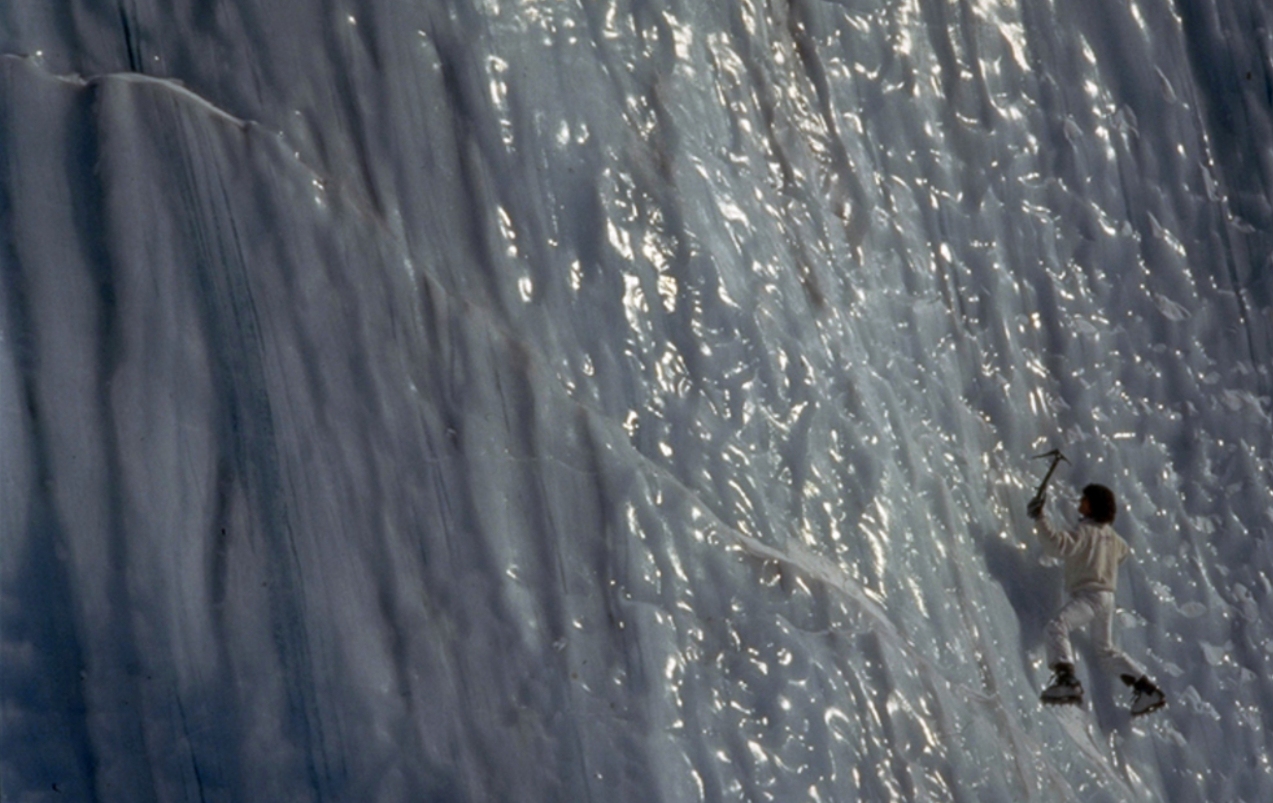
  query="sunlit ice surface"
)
[{"x": 627, "y": 400}]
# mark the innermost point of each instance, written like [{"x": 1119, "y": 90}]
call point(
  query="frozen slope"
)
[{"x": 624, "y": 401}]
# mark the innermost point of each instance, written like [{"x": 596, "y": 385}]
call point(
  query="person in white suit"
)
[{"x": 1092, "y": 553}]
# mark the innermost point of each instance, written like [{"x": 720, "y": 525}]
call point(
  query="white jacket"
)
[{"x": 1092, "y": 553}]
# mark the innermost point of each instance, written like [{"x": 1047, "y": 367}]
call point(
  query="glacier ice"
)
[{"x": 627, "y": 400}]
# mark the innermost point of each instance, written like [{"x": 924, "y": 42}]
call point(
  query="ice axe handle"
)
[{"x": 1057, "y": 457}]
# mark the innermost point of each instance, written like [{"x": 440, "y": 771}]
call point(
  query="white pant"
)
[{"x": 1097, "y": 609}]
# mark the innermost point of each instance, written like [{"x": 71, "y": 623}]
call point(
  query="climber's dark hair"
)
[{"x": 1100, "y": 503}]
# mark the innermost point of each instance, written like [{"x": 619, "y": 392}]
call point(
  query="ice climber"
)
[{"x": 1092, "y": 552}]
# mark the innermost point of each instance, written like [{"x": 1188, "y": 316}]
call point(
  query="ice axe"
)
[{"x": 1057, "y": 457}]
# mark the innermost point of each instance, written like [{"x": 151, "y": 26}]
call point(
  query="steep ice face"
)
[{"x": 627, "y": 400}]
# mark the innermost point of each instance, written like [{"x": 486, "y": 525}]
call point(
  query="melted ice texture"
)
[{"x": 628, "y": 400}]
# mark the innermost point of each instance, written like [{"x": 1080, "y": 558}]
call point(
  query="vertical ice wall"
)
[{"x": 557, "y": 401}]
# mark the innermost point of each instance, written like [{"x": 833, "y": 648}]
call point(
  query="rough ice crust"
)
[{"x": 623, "y": 401}]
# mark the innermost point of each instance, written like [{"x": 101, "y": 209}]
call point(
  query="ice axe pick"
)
[{"x": 1057, "y": 457}]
